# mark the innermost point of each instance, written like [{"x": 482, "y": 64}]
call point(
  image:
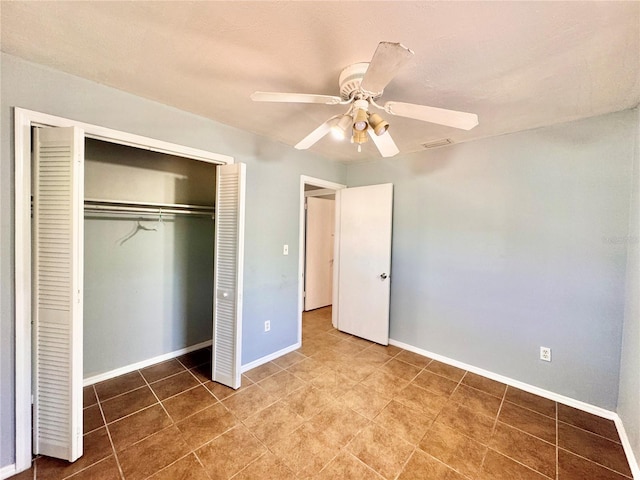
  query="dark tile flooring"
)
[{"x": 338, "y": 408}]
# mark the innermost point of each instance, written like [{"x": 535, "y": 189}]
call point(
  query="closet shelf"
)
[{"x": 116, "y": 206}]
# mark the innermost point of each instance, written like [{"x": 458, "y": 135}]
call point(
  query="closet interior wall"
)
[{"x": 148, "y": 277}]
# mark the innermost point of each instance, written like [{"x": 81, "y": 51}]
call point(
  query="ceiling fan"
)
[{"x": 361, "y": 85}]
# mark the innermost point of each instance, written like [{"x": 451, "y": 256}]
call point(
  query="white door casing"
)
[
  {"x": 319, "y": 252},
  {"x": 58, "y": 185},
  {"x": 305, "y": 182},
  {"x": 228, "y": 269},
  {"x": 364, "y": 221}
]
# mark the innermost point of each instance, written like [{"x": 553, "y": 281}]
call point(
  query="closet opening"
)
[
  {"x": 148, "y": 257},
  {"x": 82, "y": 188}
]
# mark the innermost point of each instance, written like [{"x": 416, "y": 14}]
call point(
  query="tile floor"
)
[{"x": 338, "y": 408}]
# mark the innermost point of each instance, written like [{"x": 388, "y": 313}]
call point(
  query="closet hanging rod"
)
[
  {"x": 96, "y": 201},
  {"x": 93, "y": 205},
  {"x": 146, "y": 211}
]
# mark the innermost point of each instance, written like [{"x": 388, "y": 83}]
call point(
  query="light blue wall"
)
[
  {"x": 149, "y": 295},
  {"x": 273, "y": 182},
  {"x": 629, "y": 397},
  {"x": 507, "y": 244}
]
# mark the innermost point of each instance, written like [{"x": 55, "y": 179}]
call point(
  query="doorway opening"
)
[
  {"x": 317, "y": 255},
  {"x": 319, "y": 247}
]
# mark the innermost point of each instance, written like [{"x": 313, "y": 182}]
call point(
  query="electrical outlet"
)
[
  {"x": 267, "y": 325},
  {"x": 545, "y": 354}
]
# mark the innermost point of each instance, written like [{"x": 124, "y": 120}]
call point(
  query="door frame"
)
[
  {"x": 326, "y": 184},
  {"x": 24, "y": 120}
]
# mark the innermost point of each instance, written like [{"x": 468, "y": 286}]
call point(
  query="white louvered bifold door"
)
[
  {"x": 228, "y": 264},
  {"x": 57, "y": 298}
]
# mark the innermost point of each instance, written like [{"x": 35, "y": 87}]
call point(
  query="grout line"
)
[
  {"x": 173, "y": 463},
  {"x": 106, "y": 426},
  {"x": 158, "y": 399},
  {"x": 519, "y": 462},
  {"x": 406, "y": 462},
  {"x": 164, "y": 378},
  {"x": 254, "y": 461},
  {"x": 527, "y": 433},
  {"x": 591, "y": 432},
  {"x": 596, "y": 463},
  {"x": 495, "y": 424},
  {"x": 450, "y": 467},
  {"x": 206, "y": 472},
  {"x": 531, "y": 409},
  {"x": 84, "y": 469},
  {"x": 131, "y": 414},
  {"x": 121, "y": 394},
  {"x": 186, "y": 367}
]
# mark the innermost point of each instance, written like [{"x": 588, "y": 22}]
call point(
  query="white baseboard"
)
[
  {"x": 628, "y": 450},
  {"x": 143, "y": 364},
  {"x": 8, "y": 471},
  {"x": 587, "y": 407},
  {"x": 168, "y": 356},
  {"x": 268, "y": 358}
]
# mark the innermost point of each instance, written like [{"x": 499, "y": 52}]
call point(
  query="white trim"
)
[
  {"x": 628, "y": 449},
  {"x": 101, "y": 377},
  {"x": 22, "y": 148},
  {"x": 23, "y": 121},
  {"x": 123, "y": 138},
  {"x": 267, "y": 358},
  {"x": 8, "y": 471},
  {"x": 325, "y": 184},
  {"x": 320, "y": 192},
  {"x": 337, "y": 237}
]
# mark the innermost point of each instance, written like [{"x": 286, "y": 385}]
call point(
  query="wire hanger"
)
[{"x": 140, "y": 227}]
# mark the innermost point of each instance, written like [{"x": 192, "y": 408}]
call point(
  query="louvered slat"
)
[
  {"x": 228, "y": 257},
  {"x": 57, "y": 233}
]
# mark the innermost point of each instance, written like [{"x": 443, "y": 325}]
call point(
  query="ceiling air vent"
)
[{"x": 438, "y": 143}]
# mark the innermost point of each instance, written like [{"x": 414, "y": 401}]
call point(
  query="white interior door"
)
[
  {"x": 364, "y": 249},
  {"x": 319, "y": 252},
  {"x": 227, "y": 275},
  {"x": 57, "y": 238}
]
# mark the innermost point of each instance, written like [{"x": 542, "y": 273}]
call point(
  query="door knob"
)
[{"x": 383, "y": 276}]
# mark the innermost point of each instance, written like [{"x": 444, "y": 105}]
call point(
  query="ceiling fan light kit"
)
[
  {"x": 360, "y": 137},
  {"x": 360, "y": 118},
  {"x": 379, "y": 125},
  {"x": 361, "y": 84},
  {"x": 343, "y": 126}
]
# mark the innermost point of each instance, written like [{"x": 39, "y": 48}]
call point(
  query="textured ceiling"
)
[{"x": 518, "y": 65}]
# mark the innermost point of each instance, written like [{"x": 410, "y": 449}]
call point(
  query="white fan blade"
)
[
  {"x": 386, "y": 146},
  {"x": 318, "y": 133},
  {"x": 294, "y": 98},
  {"x": 441, "y": 116},
  {"x": 387, "y": 60}
]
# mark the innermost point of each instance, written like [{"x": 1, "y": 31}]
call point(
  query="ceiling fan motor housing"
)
[{"x": 350, "y": 80}]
